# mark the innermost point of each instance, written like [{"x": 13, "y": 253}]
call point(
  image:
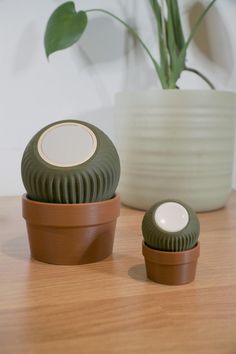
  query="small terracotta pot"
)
[
  {"x": 171, "y": 268},
  {"x": 71, "y": 233}
]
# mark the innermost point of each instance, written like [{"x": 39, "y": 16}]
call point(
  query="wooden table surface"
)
[{"x": 110, "y": 307}]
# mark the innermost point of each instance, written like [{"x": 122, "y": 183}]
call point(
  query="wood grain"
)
[{"x": 110, "y": 307}]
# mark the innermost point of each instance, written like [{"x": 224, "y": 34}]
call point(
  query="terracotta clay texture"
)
[
  {"x": 71, "y": 233},
  {"x": 171, "y": 268}
]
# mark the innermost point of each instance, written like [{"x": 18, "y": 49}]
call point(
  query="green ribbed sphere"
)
[
  {"x": 171, "y": 226},
  {"x": 70, "y": 161}
]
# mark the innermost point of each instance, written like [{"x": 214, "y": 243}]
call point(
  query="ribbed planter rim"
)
[
  {"x": 178, "y": 92},
  {"x": 171, "y": 258},
  {"x": 70, "y": 214},
  {"x": 186, "y": 98}
]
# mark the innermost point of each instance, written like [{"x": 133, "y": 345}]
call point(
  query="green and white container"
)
[{"x": 70, "y": 162}]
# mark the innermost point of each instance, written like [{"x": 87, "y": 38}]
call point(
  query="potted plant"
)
[
  {"x": 170, "y": 247},
  {"x": 70, "y": 170},
  {"x": 172, "y": 142}
]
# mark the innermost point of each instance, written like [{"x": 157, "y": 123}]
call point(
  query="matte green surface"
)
[
  {"x": 64, "y": 28},
  {"x": 159, "y": 239},
  {"x": 92, "y": 181}
]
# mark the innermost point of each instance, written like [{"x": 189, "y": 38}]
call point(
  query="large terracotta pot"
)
[{"x": 71, "y": 233}]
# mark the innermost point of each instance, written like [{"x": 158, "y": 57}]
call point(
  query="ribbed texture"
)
[
  {"x": 95, "y": 180},
  {"x": 162, "y": 240},
  {"x": 176, "y": 144}
]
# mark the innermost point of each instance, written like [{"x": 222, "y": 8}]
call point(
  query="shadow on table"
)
[
  {"x": 120, "y": 265},
  {"x": 138, "y": 272},
  {"x": 17, "y": 248}
]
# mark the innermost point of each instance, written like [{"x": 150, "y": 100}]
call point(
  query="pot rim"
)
[
  {"x": 171, "y": 258},
  {"x": 172, "y": 100},
  {"x": 70, "y": 215},
  {"x": 178, "y": 92},
  {"x": 35, "y": 202}
]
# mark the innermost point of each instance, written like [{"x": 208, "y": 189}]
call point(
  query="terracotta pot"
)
[
  {"x": 171, "y": 268},
  {"x": 71, "y": 233}
]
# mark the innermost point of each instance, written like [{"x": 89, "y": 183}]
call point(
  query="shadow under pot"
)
[{"x": 70, "y": 234}]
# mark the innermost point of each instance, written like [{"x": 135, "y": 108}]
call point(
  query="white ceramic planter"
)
[{"x": 176, "y": 144}]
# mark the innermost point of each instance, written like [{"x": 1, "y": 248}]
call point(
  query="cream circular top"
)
[
  {"x": 171, "y": 217},
  {"x": 67, "y": 144}
]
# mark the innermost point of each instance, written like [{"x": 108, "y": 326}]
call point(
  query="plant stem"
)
[
  {"x": 166, "y": 49},
  {"x": 180, "y": 63},
  {"x": 135, "y": 34},
  {"x": 163, "y": 25},
  {"x": 200, "y": 75}
]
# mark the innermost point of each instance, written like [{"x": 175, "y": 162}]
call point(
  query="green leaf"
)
[
  {"x": 178, "y": 30},
  {"x": 171, "y": 35},
  {"x": 157, "y": 13},
  {"x": 180, "y": 63},
  {"x": 64, "y": 28},
  {"x": 162, "y": 39}
]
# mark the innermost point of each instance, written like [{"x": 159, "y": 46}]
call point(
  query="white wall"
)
[{"x": 81, "y": 82}]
